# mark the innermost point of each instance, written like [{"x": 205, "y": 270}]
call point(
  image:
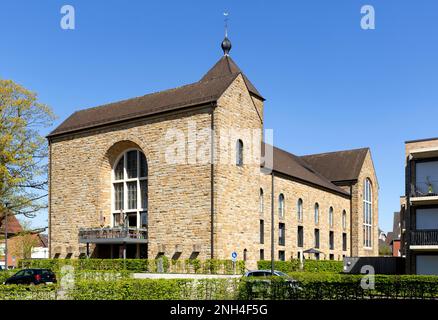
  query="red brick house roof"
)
[{"x": 14, "y": 226}]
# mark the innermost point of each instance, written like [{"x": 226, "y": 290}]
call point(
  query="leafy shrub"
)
[
  {"x": 314, "y": 286},
  {"x": 309, "y": 265},
  {"x": 209, "y": 266},
  {"x": 156, "y": 289},
  {"x": 21, "y": 292}
]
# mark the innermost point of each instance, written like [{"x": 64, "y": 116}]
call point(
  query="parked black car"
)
[
  {"x": 262, "y": 284},
  {"x": 32, "y": 276}
]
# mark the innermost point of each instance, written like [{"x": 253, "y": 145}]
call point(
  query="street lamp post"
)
[{"x": 6, "y": 235}]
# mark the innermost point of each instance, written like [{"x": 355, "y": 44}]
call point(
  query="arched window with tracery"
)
[{"x": 130, "y": 190}]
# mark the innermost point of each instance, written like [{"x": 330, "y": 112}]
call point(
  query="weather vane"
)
[{"x": 226, "y": 14}]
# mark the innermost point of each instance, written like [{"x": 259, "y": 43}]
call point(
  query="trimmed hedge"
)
[
  {"x": 210, "y": 266},
  {"x": 313, "y": 287},
  {"x": 21, "y": 292},
  {"x": 157, "y": 289},
  {"x": 308, "y": 266}
]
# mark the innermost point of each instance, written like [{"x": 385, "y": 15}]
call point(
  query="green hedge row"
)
[
  {"x": 313, "y": 287},
  {"x": 164, "y": 264},
  {"x": 157, "y": 289},
  {"x": 308, "y": 266},
  {"x": 21, "y": 292}
]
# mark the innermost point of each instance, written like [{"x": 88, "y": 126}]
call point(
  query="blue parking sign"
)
[{"x": 234, "y": 256}]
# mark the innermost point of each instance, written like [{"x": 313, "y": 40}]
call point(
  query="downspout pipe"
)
[{"x": 272, "y": 223}]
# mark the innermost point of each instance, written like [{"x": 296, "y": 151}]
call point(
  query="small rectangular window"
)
[
  {"x": 316, "y": 238},
  {"x": 118, "y": 172},
  {"x": 262, "y": 231},
  {"x": 344, "y": 242},
  {"x": 118, "y": 196},
  {"x": 282, "y": 235},
  {"x": 144, "y": 219},
  {"x": 132, "y": 195},
  {"x": 332, "y": 256},
  {"x": 262, "y": 254},
  {"x": 144, "y": 194},
  {"x": 281, "y": 255},
  {"x": 116, "y": 219},
  {"x": 143, "y": 166},
  {"x": 300, "y": 237},
  {"x": 131, "y": 164},
  {"x": 332, "y": 240}
]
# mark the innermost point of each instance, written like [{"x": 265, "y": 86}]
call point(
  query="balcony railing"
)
[
  {"x": 113, "y": 235},
  {"x": 424, "y": 237},
  {"x": 424, "y": 189}
]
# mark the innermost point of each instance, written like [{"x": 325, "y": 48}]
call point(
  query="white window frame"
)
[
  {"x": 367, "y": 214},
  {"x": 125, "y": 182},
  {"x": 316, "y": 213}
]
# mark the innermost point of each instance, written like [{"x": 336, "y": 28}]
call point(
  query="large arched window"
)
[
  {"x": 281, "y": 205},
  {"x": 316, "y": 213},
  {"x": 300, "y": 210},
  {"x": 130, "y": 190},
  {"x": 344, "y": 220},
  {"x": 331, "y": 217},
  {"x": 261, "y": 201},
  {"x": 367, "y": 213},
  {"x": 239, "y": 152}
]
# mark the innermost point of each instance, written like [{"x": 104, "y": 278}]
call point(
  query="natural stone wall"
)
[
  {"x": 179, "y": 194},
  {"x": 293, "y": 191},
  {"x": 237, "y": 187},
  {"x": 367, "y": 171}
]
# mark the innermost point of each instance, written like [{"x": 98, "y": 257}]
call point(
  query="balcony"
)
[
  {"x": 424, "y": 193},
  {"x": 424, "y": 153},
  {"x": 117, "y": 235},
  {"x": 424, "y": 240}
]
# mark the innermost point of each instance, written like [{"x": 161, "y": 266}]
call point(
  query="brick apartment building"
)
[
  {"x": 419, "y": 210},
  {"x": 115, "y": 193}
]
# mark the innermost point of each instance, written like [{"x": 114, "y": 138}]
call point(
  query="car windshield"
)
[{"x": 281, "y": 274}]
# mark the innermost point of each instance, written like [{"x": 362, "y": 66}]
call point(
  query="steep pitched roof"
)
[
  {"x": 198, "y": 93},
  {"x": 293, "y": 166},
  {"x": 207, "y": 90},
  {"x": 227, "y": 66},
  {"x": 338, "y": 166},
  {"x": 14, "y": 226}
]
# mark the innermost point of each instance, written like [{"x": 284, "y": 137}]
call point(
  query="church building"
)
[{"x": 187, "y": 173}]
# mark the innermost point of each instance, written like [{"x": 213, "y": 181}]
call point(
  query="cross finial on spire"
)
[{"x": 226, "y": 43}]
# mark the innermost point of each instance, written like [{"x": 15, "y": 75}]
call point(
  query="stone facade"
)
[
  {"x": 357, "y": 204},
  {"x": 80, "y": 185},
  {"x": 181, "y": 195},
  {"x": 310, "y": 195}
]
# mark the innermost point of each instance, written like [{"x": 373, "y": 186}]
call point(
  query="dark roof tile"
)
[
  {"x": 293, "y": 166},
  {"x": 198, "y": 93},
  {"x": 338, "y": 166}
]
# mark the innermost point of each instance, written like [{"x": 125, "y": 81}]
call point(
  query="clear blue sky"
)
[{"x": 329, "y": 84}]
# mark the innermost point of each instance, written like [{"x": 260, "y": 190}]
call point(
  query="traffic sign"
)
[{"x": 234, "y": 256}]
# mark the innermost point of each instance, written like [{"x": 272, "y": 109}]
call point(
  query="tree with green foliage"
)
[{"x": 23, "y": 150}]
